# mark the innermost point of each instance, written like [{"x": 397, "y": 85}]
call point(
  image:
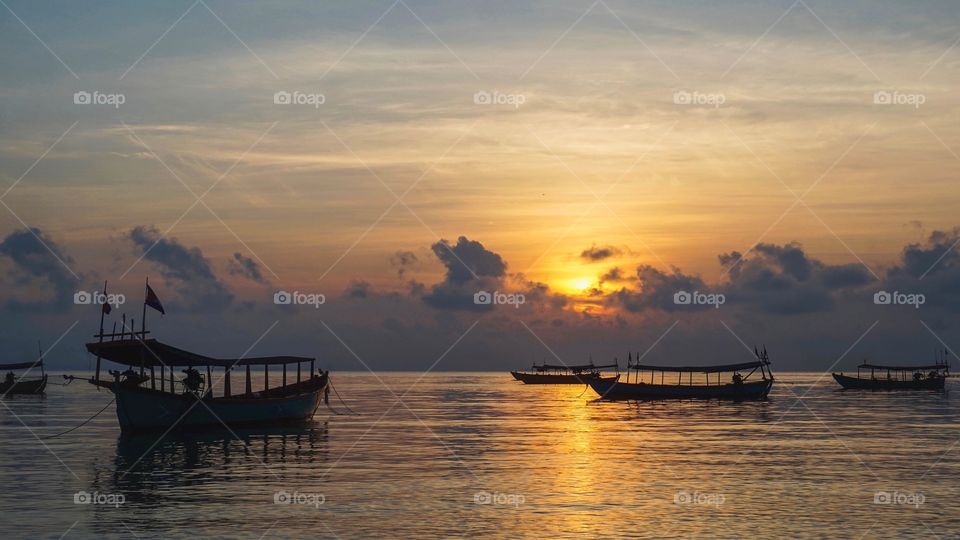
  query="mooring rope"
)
[
  {"x": 330, "y": 384},
  {"x": 84, "y": 422}
]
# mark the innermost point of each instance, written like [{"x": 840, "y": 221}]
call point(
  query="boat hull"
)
[
  {"x": 614, "y": 390},
  {"x": 145, "y": 409},
  {"x": 36, "y": 386},
  {"x": 854, "y": 383},
  {"x": 538, "y": 378}
]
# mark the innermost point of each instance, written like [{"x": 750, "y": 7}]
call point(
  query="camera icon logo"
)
[
  {"x": 682, "y": 97},
  {"x": 482, "y": 98},
  {"x": 82, "y": 298},
  {"x": 282, "y": 98},
  {"x": 882, "y": 497},
  {"x": 282, "y": 298},
  {"x": 282, "y": 497},
  {"x": 882, "y": 97},
  {"x": 82, "y": 98},
  {"x": 82, "y": 497},
  {"x": 483, "y": 497},
  {"x": 682, "y": 298},
  {"x": 682, "y": 497},
  {"x": 482, "y": 298},
  {"x": 882, "y": 298}
]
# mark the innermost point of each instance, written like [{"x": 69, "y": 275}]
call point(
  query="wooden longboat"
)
[
  {"x": 559, "y": 374},
  {"x": 12, "y": 384},
  {"x": 740, "y": 388},
  {"x": 921, "y": 377},
  {"x": 149, "y": 398}
]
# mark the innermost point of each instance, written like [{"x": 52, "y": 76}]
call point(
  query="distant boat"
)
[
  {"x": 189, "y": 401},
  {"x": 739, "y": 387},
  {"x": 560, "y": 374},
  {"x": 12, "y": 384},
  {"x": 920, "y": 377}
]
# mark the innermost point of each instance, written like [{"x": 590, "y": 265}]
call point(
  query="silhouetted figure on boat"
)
[
  {"x": 193, "y": 380},
  {"x": 10, "y": 378},
  {"x": 737, "y": 378}
]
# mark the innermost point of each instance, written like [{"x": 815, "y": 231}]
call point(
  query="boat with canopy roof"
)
[
  {"x": 917, "y": 377},
  {"x": 150, "y": 396},
  {"x": 738, "y": 387},
  {"x": 562, "y": 374},
  {"x": 12, "y": 384}
]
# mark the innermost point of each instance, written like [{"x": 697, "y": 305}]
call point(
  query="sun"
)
[{"x": 581, "y": 284}]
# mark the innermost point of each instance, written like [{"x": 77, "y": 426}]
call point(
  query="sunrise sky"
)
[{"x": 633, "y": 140}]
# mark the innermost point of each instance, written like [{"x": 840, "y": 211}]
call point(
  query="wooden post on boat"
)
[
  {"x": 171, "y": 380},
  {"x": 103, "y": 311},
  {"x": 143, "y": 320},
  {"x": 284, "y": 374},
  {"x": 249, "y": 387},
  {"x": 163, "y": 377},
  {"x": 226, "y": 381},
  {"x": 153, "y": 379},
  {"x": 266, "y": 377},
  {"x": 312, "y": 370},
  {"x": 298, "y": 371},
  {"x": 209, "y": 380}
]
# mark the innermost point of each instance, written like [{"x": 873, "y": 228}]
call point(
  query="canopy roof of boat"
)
[
  {"x": 150, "y": 352},
  {"x": 22, "y": 365},
  {"x": 582, "y": 367},
  {"x": 702, "y": 369},
  {"x": 865, "y": 365}
]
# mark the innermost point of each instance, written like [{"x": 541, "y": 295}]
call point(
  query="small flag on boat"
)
[
  {"x": 105, "y": 307},
  {"x": 153, "y": 301}
]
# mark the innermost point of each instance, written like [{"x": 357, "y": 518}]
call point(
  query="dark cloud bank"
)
[{"x": 806, "y": 311}]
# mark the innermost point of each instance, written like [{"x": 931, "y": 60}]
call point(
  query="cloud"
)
[
  {"x": 470, "y": 268},
  {"x": 613, "y": 275},
  {"x": 403, "y": 261},
  {"x": 600, "y": 253},
  {"x": 656, "y": 290},
  {"x": 35, "y": 256},
  {"x": 246, "y": 267},
  {"x": 357, "y": 289},
  {"x": 185, "y": 269}
]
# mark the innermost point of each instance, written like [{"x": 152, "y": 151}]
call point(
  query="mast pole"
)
[
  {"x": 143, "y": 319},
  {"x": 96, "y": 377}
]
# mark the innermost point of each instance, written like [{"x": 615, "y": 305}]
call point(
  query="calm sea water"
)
[{"x": 471, "y": 454}]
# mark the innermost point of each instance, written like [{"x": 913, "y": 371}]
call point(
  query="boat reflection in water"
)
[
  {"x": 739, "y": 387},
  {"x": 159, "y": 477}
]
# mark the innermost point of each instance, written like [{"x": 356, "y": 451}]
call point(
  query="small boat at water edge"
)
[
  {"x": 13, "y": 384},
  {"x": 189, "y": 402},
  {"x": 559, "y": 374},
  {"x": 922, "y": 377},
  {"x": 740, "y": 388}
]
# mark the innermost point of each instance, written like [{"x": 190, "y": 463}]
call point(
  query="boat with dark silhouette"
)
[
  {"x": 13, "y": 384},
  {"x": 146, "y": 401},
  {"x": 562, "y": 374},
  {"x": 918, "y": 377},
  {"x": 738, "y": 387}
]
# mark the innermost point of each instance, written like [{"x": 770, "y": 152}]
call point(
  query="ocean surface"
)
[{"x": 479, "y": 454}]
